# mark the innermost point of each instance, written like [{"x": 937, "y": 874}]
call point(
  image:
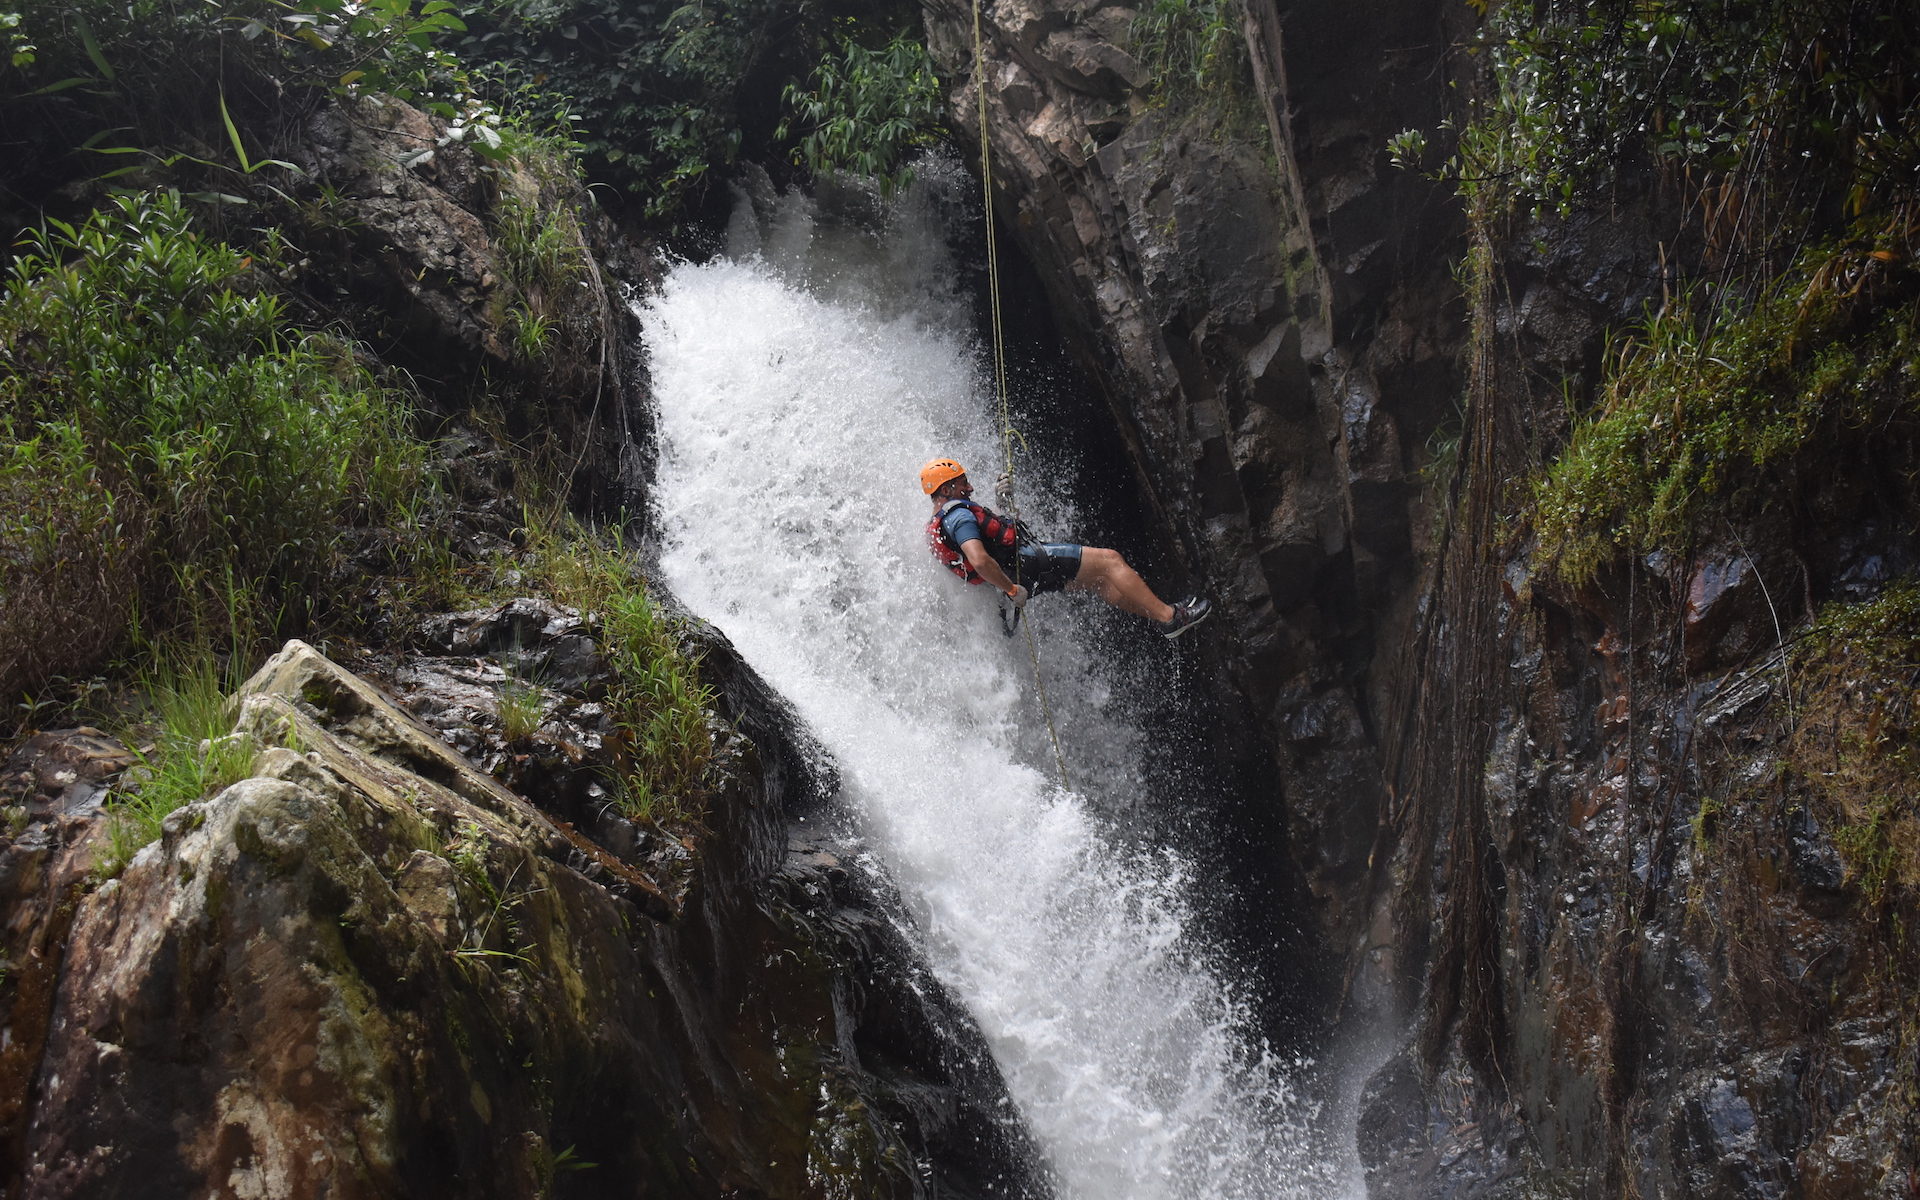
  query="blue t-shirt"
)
[{"x": 958, "y": 524}]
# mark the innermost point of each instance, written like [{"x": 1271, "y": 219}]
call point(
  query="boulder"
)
[{"x": 370, "y": 969}]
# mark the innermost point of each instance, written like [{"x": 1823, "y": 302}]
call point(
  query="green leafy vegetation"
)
[
  {"x": 19, "y": 51},
  {"x": 174, "y": 455},
  {"x": 659, "y": 97},
  {"x": 1708, "y": 411},
  {"x": 185, "y": 750},
  {"x": 1745, "y": 89},
  {"x": 386, "y": 47},
  {"x": 652, "y": 91},
  {"x": 140, "y": 92},
  {"x": 864, "y": 109},
  {"x": 651, "y": 97}
]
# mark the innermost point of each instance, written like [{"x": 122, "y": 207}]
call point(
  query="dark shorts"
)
[{"x": 1048, "y": 567}]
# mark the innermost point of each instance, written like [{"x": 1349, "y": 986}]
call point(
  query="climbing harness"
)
[{"x": 1007, "y": 433}]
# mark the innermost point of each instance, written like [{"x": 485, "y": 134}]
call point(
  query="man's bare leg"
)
[{"x": 1107, "y": 575}]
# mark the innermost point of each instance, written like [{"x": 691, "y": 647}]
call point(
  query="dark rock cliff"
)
[
  {"x": 1492, "y": 790},
  {"x": 1268, "y": 310}
]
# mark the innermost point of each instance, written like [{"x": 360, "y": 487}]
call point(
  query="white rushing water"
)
[{"x": 801, "y": 380}]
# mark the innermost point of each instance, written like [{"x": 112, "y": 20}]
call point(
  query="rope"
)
[{"x": 1007, "y": 433}]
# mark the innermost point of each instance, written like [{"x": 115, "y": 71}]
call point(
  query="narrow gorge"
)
[{"x": 484, "y": 721}]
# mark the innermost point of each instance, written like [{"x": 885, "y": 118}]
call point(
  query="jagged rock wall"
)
[
  {"x": 401, "y": 236},
  {"x": 1491, "y": 790},
  {"x": 1267, "y": 307},
  {"x": 370, "y": 969},
  {"x": 1653, "y": 972}
]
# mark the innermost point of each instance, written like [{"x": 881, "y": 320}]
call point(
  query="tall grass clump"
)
[
  {"x": 186, "y": 751},
  {"x": 1194, "y": 52},
  {"x": 543, "y": 252},
  {"x": 661, "y": 707},
  {"x": 169, "y": 444},
  {"x": 658, "y": 703}
]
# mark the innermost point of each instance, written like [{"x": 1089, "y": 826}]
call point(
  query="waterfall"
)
[{"x": 801, "y": 379}]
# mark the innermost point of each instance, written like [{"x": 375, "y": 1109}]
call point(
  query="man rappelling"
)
[{"x": 986, "y": 547}]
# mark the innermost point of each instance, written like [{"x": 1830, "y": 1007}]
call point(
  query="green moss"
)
[
  {"x": 1871, "y": 851},
  {"x": 1705, "y": 823},
  {"x": 1857, "y": 688},
  {"x": 1708, "y": 412}
]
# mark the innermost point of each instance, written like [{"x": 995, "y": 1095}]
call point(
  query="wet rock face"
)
[
  {"x": 371, "y": 970},
  {"x": 1266, "y": 303},
  {"x": 1693, "y": 992},
  {"x": 403, "y": 232},
  {"x": 412, "y": 217},
  {"x": 1531, "y": 824},
  {"x": 50, "y": 794},
  {"x": 1697, "y": 1000}
]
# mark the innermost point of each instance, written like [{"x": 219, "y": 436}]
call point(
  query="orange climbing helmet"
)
[{"x": 937, "y": 472}]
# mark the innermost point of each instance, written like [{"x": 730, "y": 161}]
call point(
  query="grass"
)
[
  {"x": 531, "y": 334},
  {"x": 521, "y": 704},
  {"x": 1195, "y": 56},
  {"x": 186, "y": 750},
  {"x": 541, "y": 248},
  {"x": 540, "y": 243},
  {"x": 497, "y": 904},
  {"x": 659, "y": 707}
]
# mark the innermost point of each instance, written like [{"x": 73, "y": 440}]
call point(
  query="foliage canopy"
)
[{"x": 1806, "y": 91}]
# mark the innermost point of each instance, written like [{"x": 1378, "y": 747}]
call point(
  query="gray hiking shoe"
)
[{"x": 1186, "y": 614}]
